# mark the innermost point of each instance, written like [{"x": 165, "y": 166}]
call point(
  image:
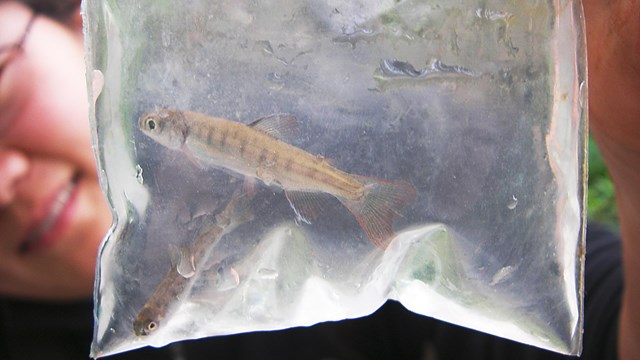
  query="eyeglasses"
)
[{"x": 11, "y": 51}]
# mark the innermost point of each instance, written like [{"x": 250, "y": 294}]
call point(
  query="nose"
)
[{"x": 14, "y": 166}]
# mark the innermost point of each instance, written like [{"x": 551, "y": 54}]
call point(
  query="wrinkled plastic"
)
[{"x": 476, "y": 106}]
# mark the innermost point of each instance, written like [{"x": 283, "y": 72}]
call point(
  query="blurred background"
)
[{"x": 601, "y": 206}]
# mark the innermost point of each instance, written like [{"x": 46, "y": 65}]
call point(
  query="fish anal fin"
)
[
  {"x": 381, "y": 202},
  {"x": 280, "y": 126},
  {"x": 306, "y": 205}
]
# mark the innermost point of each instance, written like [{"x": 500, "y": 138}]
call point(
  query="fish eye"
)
[
  {"x": 152, "y": 326},
  {"x": 151, "y": 123}
]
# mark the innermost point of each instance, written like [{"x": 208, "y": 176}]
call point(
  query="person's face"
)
[{"x": 52, "y": 212}]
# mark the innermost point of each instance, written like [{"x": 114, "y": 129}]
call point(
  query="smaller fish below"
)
[
  {"x": 185, "y": 264},
  {"x": 258, "y": 151}
]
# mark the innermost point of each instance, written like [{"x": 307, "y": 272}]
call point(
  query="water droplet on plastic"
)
[
  {"x": 502, "y": 274},
  {"x": 353, "y": 34},
  {"x": 139, "y": 174},
  {"x": 494, "y": 15},
  {"x": 268, "y": 274},
  {"x": 392, "y": 71},
  {"x": 97, "y": 83},
  {"x": 583, "y": 93},
  {"x": 166, "y": 39},
  {"x": 512, "y": 203},
  {"x": 266, "y": 47},
  {"x": 277, "y": 81},
  {"x": 275, "y": 77}
]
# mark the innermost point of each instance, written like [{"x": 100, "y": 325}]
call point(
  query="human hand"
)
[{"x": 613, "y": 45}]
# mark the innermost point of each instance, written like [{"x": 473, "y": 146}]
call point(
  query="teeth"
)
[{"x": 55, "y": 211}]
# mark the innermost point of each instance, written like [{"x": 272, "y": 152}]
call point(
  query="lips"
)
[{"x": 44, "y": 230}]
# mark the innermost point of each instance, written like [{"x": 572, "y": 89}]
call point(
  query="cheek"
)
[
  {"x": 53, "y": 130},
  {"x": 49, "y": 101},
  {"x": 66, "y": 139},
  {"x": 92, "y": 218}
]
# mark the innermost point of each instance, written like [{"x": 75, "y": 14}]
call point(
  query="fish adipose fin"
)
[
  {"x": 381, "y": 201},
  {"x": 280, "y": 126}
]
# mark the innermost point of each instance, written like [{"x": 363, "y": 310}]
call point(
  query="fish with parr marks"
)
[{"x": 259, "y": 151}]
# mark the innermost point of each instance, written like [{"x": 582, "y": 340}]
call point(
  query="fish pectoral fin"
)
[
  {"x": 279, "y": 126},
  {"x": 307, "y": 205},
  {"x": 249, "y": 187},
  {"x": 174, "y": 255},
  {"x": 192, "y": 158},
  {"x": 182, "y": 260}
]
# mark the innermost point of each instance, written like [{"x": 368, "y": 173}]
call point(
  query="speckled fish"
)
[
  {"x": 185, "y": 262},
  {"x": 257, "y": 151}
]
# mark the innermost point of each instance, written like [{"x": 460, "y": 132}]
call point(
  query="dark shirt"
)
[{"x": 63, "y": 331}]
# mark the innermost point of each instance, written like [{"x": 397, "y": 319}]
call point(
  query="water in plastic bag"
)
[{"x": 281, "y": 163}]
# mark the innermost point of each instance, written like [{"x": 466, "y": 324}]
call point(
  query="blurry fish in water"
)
[
  {"x": 185, "y": 263},
  {"x": 256, "y": 151}
]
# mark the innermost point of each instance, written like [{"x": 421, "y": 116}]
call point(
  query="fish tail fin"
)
[{"x": 382, "y": 200}]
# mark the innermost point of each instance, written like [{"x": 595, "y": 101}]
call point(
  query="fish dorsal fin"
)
[{"x": 279, "y": 126}]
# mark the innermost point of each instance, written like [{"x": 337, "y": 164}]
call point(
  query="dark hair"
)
[{"x": 57, "y": 9}]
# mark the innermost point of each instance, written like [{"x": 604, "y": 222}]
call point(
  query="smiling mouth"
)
[{"x": 53, "y": 217}]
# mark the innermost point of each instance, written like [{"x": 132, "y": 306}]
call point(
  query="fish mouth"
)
[{"x": 40, "y": 229}]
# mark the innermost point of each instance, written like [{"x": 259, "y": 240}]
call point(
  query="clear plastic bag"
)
[{"x": 282, "y": 163}]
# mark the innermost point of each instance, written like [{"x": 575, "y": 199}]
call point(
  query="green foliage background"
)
[{"x": 601, "y": 205}]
